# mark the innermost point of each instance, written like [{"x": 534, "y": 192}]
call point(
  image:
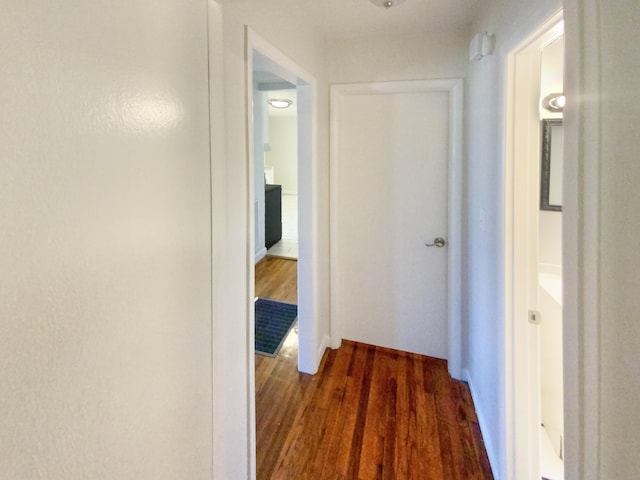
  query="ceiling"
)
[
  {"x": 342, "y": 19},
  {"x": 345, "y": 19}
]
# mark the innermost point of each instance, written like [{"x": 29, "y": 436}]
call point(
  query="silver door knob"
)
[{"x": 437, "y": 242}]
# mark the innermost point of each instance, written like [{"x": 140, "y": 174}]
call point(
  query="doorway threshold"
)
[{"x": 285, "y": 248}]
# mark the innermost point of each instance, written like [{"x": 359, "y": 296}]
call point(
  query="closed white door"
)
[{"x": 390, "y": 199}]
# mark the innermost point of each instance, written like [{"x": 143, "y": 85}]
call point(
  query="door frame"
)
[
  {"x": 310, "y": 347},
  {"x": 309, "y": 355},
  {"x": 521, "y": 209},
  {"x": 454, "y": 87}
]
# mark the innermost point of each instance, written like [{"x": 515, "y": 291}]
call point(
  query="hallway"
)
[
  {"x": 370, "y": 412},
  {"x": 128, "y": 251}
]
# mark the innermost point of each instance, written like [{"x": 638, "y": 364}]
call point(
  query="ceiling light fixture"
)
[
  {"x": 386, "y": 3},
  {"x": 554, "y": 102},
  {"x": 279, "y": 102}
]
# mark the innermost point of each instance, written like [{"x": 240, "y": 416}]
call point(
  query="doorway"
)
[
  {"x": 533, "y": 264},
  {"x": 283, "y": 74},
  {"x": 262, "y": 56},
  {"x": 388, "y": 287},
  {"x": 275, "y": 155},
  {"x": 281, "y": 170}
]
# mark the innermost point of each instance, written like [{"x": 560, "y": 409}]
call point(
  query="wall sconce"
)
[
  {"x": 554, "y": 102},
  {"x": 279, "y": 102}
]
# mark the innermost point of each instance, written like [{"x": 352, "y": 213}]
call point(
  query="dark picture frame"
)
[{"x": 551, "y": 165}]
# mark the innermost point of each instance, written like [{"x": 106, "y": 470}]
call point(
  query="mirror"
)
[{"x": 551, "y": 165}]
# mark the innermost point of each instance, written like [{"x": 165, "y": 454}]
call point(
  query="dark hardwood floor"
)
[{"x": 369, "y": 413}]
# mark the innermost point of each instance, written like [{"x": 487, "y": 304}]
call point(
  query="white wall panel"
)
[
  {"x": 620, "y": 229},
  {"x": 105, "y": 241}
]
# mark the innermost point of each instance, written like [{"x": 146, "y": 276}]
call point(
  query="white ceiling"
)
[{"x": 341, "y": 19}]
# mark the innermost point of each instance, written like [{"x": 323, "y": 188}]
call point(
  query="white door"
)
[{"x": 391, "y": 199}]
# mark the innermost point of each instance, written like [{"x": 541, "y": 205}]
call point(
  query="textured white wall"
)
[
  {"x": 105, "y": 258},
  {"x": 510, "y": 21}
]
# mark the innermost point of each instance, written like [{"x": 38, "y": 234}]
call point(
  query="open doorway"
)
[
  {"x": 271, "y": 75},
  {"x": 275, "y": 162},
  {"x": 282, "y": 74},
  {"x": 533, "y": 255},
  {"x": 281, "y": 172}
]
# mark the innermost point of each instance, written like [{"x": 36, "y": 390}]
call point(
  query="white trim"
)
[
  {"x": 326, "y": 341},
  {"x": 307, "y": 194},
  {"x": 489, "y": 445},
  {"x": 456, "y": 115},
  {"x": 455, "y": 89},
  {"x": 334, "y": 214},
  {"x": 308, "y": 360},
  {"x": 225, "y": 432},
  {"x": 581, "y": 230},
  {"x": 521, "y": 180},
  {"x": 251, "y": 221},
  {"x": 260, "y": 254}
]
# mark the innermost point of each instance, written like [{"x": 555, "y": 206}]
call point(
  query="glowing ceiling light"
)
[{"x": 279, "y": 102}]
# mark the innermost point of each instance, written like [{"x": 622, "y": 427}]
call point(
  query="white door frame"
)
[
  {"x": 522, "y": 149},
  {"x": 310, "y": 351},
  {"x": 454, "y": 87},
  {"x": 309, "y": 354},
  {"x": 582, "y": 196}
]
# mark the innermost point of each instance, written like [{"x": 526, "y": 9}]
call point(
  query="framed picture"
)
[{"x": 551, "y": 165}]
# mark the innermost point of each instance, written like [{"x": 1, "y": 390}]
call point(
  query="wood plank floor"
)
[{"x": 369, "y": 413}]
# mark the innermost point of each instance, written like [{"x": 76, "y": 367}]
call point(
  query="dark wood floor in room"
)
[{"x": 369, "y": 413}]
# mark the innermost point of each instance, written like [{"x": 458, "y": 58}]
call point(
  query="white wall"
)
[
  {"x": 550, "y": 337},
  {"x": 105, "y": 245},
  {"x": 377, "y": 59},
  {"x": 283, "y": 156},
  {"x": 293, "y": 35},
  {"x": 550, "y": 248},
  {"x": 510, "y": 21}
]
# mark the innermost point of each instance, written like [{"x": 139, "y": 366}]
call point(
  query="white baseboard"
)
[
  {"x": 321, "y": 349},
  {"x": 488, "y": 443},
  {"x": 260, "y": 254}
]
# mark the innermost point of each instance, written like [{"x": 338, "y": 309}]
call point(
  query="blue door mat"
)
[{"x": 273, "y": 322}]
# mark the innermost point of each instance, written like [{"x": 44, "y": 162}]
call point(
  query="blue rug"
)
[{"x": 273, "y": 322}]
